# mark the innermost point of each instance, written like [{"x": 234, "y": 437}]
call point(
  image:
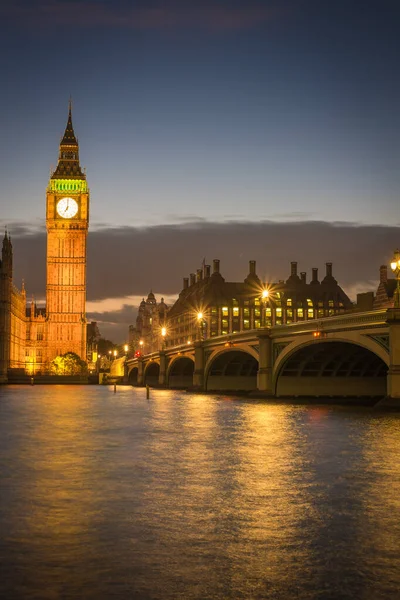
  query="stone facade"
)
[
  {"x": 209, "y": 306},
  {"x": 12, "y": 315},
  {"x": 384, "y": 297},
  {"x": 31, "y": 337},
  {"x": 146, "y": 336}
]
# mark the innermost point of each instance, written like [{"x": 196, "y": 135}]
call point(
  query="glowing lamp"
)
[{"x": 395, "y": 266}]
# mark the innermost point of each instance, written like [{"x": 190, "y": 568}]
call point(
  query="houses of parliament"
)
[{"x": 30, "y": 338}]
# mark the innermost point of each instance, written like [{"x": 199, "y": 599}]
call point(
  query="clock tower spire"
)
[{"x": 67, "y": 221}]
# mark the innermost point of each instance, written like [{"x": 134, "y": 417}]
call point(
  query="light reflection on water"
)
[{"x": 108, "y": 495}]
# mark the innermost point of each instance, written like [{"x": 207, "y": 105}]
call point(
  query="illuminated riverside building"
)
[
  {"x": 209, "y": 306},
  {"x": 12, "y": 315},
  {"x": 152, "y": 317},
  {"x": 31, "y": 337}
]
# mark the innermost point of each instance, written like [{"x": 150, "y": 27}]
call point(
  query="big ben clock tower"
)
[{"x": 67, "y": 220}]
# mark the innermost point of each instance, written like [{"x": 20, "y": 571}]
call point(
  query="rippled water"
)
[{"x": 185, "y": 496}]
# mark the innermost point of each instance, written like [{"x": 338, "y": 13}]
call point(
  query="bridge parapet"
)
[
  {"x": 273, "y": 346},
  {"x": 344, "y": 321}
]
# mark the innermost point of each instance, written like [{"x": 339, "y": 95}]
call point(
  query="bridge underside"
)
[
  {"x": 152, "y": 374},
  {"x": 332, "y": 369},
  {"x": 233, "y": 370},
  {"x": 133, "y": 376},
  {"x": 181, "y": 374}
]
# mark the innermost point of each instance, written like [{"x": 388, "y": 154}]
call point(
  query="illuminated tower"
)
[
  {"x": 67, "y": 220},
  {"x": 6, "y": 273}
]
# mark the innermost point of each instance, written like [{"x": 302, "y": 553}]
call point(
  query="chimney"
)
[
  {"x": 207, "y": 271},
  {"x": 192, "y": 278},
  {"x": 252, "y": 267},
  {"x": 383, "y": 274},
  {"x": 216, "y": 265},
  {"x": 199, "y": 276},
  {"x": 314, "y": 275},
  {"x": 303, "y": 277},
  {"x": 328, "y": 269},
  {"x": 293, "y": 269},
  {"x": 185, "y": 283}
]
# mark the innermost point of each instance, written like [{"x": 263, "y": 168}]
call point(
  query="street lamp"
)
[
  {"x": 126, "y": 348},
  {"x": 264, "y": 298},
  {"x": 200, "y": 322},
  {"x": 141, "y": 342},
  {"x": 115, "y": 354},
  {"x": 395, "y": 266},
  {"x": 163, "y": 334}
]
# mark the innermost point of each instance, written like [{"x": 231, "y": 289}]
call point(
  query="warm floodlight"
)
[{"x": 395, "y": 266}]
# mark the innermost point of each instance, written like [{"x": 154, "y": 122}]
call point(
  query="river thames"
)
[{"x": 107, "y": 495}]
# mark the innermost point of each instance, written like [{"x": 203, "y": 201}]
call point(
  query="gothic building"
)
[
  {"x": 12, "y": 315},
  {"x": 146, "y": 336},
  {"x": 30, "y": 337},
  {"x": 209, "y": 306}
]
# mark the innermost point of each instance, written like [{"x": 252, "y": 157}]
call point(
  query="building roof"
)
[{"x": 215, "y": 291}]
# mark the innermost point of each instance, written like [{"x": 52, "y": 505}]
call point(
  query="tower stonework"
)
[
  {"x": 5, "y": 306},
  {"x": 67, "y": 220}
]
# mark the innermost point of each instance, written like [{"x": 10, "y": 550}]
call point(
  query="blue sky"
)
[
  {"x": 191, "y": 113},
  {"x": 205, "y": 110}
]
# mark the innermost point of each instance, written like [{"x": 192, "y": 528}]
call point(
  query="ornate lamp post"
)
[
  {"x": 200, "y": 321},
  {"x": 395, "y": 266},
  {"x": 163, "y": 335},
  {"x": 126, "y": 348},
  {"x": 264, "y": 298}
]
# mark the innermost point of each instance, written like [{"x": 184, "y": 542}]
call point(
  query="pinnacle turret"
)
[
  {"x": 68, "y": 159},
  {"x": 7, "y": 254},
  {"x": 69, "y": 138}
]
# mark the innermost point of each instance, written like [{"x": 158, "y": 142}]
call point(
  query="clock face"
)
[{"x": 67, "y": 208}]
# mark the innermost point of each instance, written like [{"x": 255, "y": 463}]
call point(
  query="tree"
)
[{"x": 68, "y": 364}]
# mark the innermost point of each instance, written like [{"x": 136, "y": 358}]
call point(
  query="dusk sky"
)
[{"x": 257, "y": 119}]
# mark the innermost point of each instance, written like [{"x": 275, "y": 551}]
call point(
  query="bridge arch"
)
[
  {"x": 331, "y": 367},
  {"x": 133, "y": 375},
  {"x": 180, "y": 372},
  {"x": 151, "y": 373},
  {"x": 231, "y": 369}
]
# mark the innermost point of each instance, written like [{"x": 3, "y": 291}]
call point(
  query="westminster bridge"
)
[{"x": 354, "y": 354}]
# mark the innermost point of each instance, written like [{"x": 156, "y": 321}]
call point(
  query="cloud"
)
[
  {"x": 156, "y": 15},
  {"x": 125, "y": 264}
]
